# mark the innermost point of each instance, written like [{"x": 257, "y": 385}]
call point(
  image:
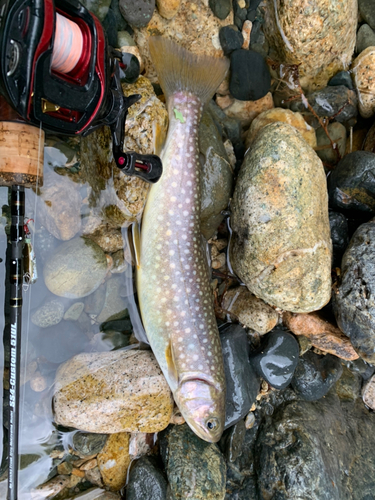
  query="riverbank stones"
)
[
  {"x": 363, "y": 70},
  {"x": 250, "y": 78},
  {"x": 137, "y": 13},
  {"x": 281, "y": 246}
]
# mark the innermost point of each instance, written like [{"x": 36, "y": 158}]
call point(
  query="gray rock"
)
[
  {"x": 88, "y": 444},
  {"x": 74, "y": 311},
  {"x": 95, "y": 301},
  {"x": 232, "y": 440},
  {"x": 137, "y": 13},
  {"x": 342, "y": 78},
  {"x": 337, "y": 133},
  {"x": 220, "y": 8},
  {"x": 195, "y": 469},
  {"x": 217, "y": 176},
  {"x": 75, "y": 269},
  {"x": 146, "y": 481},
  {"x": 365, "y": 38},
  {"x": 353, "y": 304},
  {"x": 367, "y": 11},
  {"x": 114, "y": 306},
  {"x": 98, "y": 7},
  {"x": 49, "y": 314},
  {"x": 340, "y": 236},
  {"x": 348, "y": 386}
]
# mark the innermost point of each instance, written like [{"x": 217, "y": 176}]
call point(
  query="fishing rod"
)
[{"x": 57, "y": 73}]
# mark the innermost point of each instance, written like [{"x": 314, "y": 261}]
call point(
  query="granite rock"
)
[
  {"x": 363, "y": 70},
  {"x": 49, "y": 314},
  {"x": 114, "y": 461},
  {"x": 281, "y": 246},
  {"x": 245, "y": 111}
]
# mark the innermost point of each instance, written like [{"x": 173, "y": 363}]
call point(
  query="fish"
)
[{"x": 173, "y": 283}]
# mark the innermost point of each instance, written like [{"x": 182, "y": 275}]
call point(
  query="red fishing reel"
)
[{"x": 57, "y": 70}]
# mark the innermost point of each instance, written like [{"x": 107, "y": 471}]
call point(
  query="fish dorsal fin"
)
[
  {"x": 172, "y": 370},
  {"x": 136, "y": 237}
]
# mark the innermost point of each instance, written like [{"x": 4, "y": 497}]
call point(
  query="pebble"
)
[
  {"x": 365, "y": 38},
  {"x": 114, "y": 306},
  {"x": 351, "y": 185},
  {"x": 114, "y": 461},
  {"x": 242, "y": 381},
  {"x": 250, "y": 420},
  {"x": 125, "y": 39},
  {"x": 137, "y": 13},
  {"x": 320, "y": 38},
  {"x": 250, "y": 78},
  {"x": 221, "y": 8},
  {"x": 368, "y": 393},
  {"x": 195, "y": 468},
  {"x": 49, "y": 314},
  {"x": 146, "y": 481},
  {"x": 322, "y": 334},
  {"x": 337, "y": 133},
  {"x": 230, "y": 39},
  {"x": 140, "y": 444},
  {"x": 294, "y": 119},
  {"x": 58, "y": 485},
  {"x": 75, "y": 269},
  {"x": 250, "y": 311},
  {"x": 339, "y": 235},
  {"x": 245, "y": 111},
  {"x": 342, "y": 78},
  {"x": 315, "y": 375},
  {"x": 74, "y": 311},
  {"x": 232, "y": 440},
  {"x": 132, "y": 379},
  {"x": 87, "y": 444},
  {"x": 94, "y": 476},
  {"x": 353, "y": 302},
  {"x": 246, "y": 33},
  {"x": 367, "y": 11},
  {"x": 281, "y": 246},
  {"x": 168, "y": 8},
  {"x": 277, "y": 359},
  {"x": 363, "y": 70},
  {"x": 38, "y": 383},
  {"x": 348, "y": 387}
]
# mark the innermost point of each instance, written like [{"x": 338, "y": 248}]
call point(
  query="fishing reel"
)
[{"x": 57, "y": 70}]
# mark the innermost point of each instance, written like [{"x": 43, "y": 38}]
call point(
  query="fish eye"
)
[{"x": 212, "y": 424}]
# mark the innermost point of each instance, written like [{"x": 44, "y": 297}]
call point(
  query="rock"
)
[
  {"x": 348, "y": 387},
  {"x": 334, "y": 454},
  {"x": 366, "y": 9},
  {"x": 231, "y": 442},
  {"x": 98, "y": 7},
  {"x": 137, "y": 13},
  {"x": 245, "y": 111},
  {"x": 239, "y": 12},
  {"x": 75, "y": 269},
  {"x": 114, "y": 461},
  {"x": 87, "y": 444},
  {"x": 49, "y": 314},
  {"x": 246, "y": 33},
  {"x": 74, "y": 311},
  {"x": 58, "y": 485},
  {"x": 358, "y": 140},
  {"x": 94, "y": 476},
  {"x": 140, "y": 444},
  {"x": 363, "y": 69},
  {"x": 94, "y": 302},
  {"x": 342, "y": 78},
  {"x": 339, "y": 235},
  {"x": 146, "y": 481},
  {"x": 125, "y": 39},
  {"x": 365, "y": 38},
  {"x": 315, "y": 375},
  {"x": 337, "y": 133},
  {"x": 250, "y": 77},
  {"x": 352, "y": 184},
  {"x": 132, "y": 72},
  {"x": 368, "y": 139},
  {"x": 281, "y": 245},
  {"x": 338, "y": 102},
  {"x": 320, "y": 38},
  {"x": 231, "y": 127},
  {"x": 250, "y": 420},
  {"x": 217, "y": 176},
  {"x": 38, "y": 383},
  {"x": 368, "y": 393},
  {"x": 353, "y": 302},
  {"x": 168, "y": 8},
  {"x": 221, "y": 8},
  {"x": 230, "y": 39},
  {"x": 132, "y": 380},
  {"x": 250, "y": 311},
  {"x": 281, "y": 115},
  {"x": 277, "y": 359},
  {"x": 361, "y": 368},
  {"x": 195, "y": 469},
  {"x": 242, "y": 381},
  {"x": 321, "y": 334},
  {"x": 114, "y": 306},
  {"x": 119, "y": 262}
]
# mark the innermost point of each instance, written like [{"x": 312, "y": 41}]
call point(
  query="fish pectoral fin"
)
[
  {"x": 172, "y": 370},
  {"x": 136, "y": 237}
]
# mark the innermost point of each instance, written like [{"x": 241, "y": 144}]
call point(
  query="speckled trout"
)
[{"x": 173, "y": 279}]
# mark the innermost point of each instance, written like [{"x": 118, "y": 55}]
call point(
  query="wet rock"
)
[
  {"x": 217, "y": 176},
  {"x": 242, "y": 381},
  {"x": 232, "y": 440},
  {"x": 140, "y": 444},
  {"x": 58, "y": 485},
  {"x": 239, "y": 12},
  {"x": 365, "y": 38},
  {"x": 137, "y": 13},
  {"x": 114, "y": 461},
  {"x": 221, "y": 8},
  {"x": 342, "y": 78},
  {"x": 348, "y": 387},
  {"x": 353, "y": 302},
  {"x": 132, "y": 380},
  {"x": 315, "y": 375},
  {"x": 246, "y": 33},
  {"x": 195, "y": 469},
  {"x": 75, "y": 269},
  {"x": 321, "y": 334},
  {"x": 119, "y": 262},
  {"x": 245, "y": 111},
  {"x": 368, "y": 393},
  {"x": 87, "y": 444},
  {"x": 337, "y": 133},
  {"x": 74, "y": 311},
  {"x": 94, "y": 476},
  {"x": 338, "y": 102},
  {"x": 231, "y": 127},
  {"x": 277, "y": 359},
  {"x": 281, "y": 115},
  {"x": 320, "y": 38},
  {"x": 334, "y": 454},
  {"x": 361, "y": 368},
  {"x": 146, "y": 481},
  {"x": 98, "y": 7},
  {"x": 352, "y": 183},
  {"x": 49, "y": 314},
  {"x": 114, "y": 306},
  {"x": 366, "y": 9},
  {"x": 339, "y": 235},
  {"x": 109, "y": 239},
  {"x": 363, "y": 70},
  {"x": 230, "y": 39},
  {"x": 94, "y": 302},
  {"x": 125, "y": 39},
  {"x": 168, "y": 8},
  {"x": 250, "y": 420},
  {"x": 250, "y": 311},
  {"x": 250, "y": 78},
  {"x": 281, "y": 245}
]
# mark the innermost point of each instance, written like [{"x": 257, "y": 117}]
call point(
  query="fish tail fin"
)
[{"x": 180, "y": 70}]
